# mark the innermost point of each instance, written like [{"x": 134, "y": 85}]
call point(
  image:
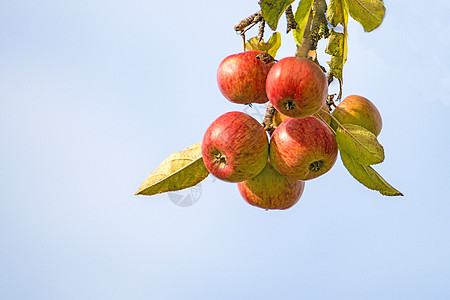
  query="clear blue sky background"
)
[{"x": 95, "y": 94}]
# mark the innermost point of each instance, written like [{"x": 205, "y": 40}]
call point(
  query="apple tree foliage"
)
[{"x": 312, "y": 20}]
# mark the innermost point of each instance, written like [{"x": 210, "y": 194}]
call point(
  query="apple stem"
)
[{"x": 265, "y": 57}]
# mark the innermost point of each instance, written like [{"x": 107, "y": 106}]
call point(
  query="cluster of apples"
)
[{"x": 271, "y": 169}]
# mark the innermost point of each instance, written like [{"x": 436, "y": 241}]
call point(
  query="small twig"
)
[
  {"x": 262, "y": 24},
  {"x": 250, "y": 20},
  {"x": 243, "y": 26},
  {"x": 330, "y": 101},
  {"x": 291, "y": 23},
  {"x": 340, "y": 91},
  {"x": 330, "y": 77},
  {"x": 242, "y": 33}
]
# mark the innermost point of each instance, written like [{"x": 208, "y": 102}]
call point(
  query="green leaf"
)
[
  {"x": 367, "y": 176},
  {"x": 301, "y": 17},
  {"x": 337, "y": 48},
  {"x": 179, "y": 171},
  {"x": 369, "y": 13},
  {"x": 272, "y": 11},
  {"x": 271, "y": 47},
  {"x": 361, "y": 144},
  {"x": 337, "y": 13}
]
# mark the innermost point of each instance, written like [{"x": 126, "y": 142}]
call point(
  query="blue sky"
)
[{"x": 95, "y": 94}]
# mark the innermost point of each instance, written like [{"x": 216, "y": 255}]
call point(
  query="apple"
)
[
  {"x": 303, "y": 148},
  {"x": 235, "y": 147},
  {"x": 279, "y": 117},
  {"x": 271, "y": 190},
  {"x": 242, "y": 77},
  {"x": 360, "y": 111},
  {"x": 296, "y": 87}
]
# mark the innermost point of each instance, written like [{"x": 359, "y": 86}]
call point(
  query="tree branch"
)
[
  {"x": 316, "y": 28},
  {"x": 303, "y": 50}
]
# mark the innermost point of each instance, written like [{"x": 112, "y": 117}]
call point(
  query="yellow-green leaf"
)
[
  {"x": 179, "y": 171},
  {"x": 301, "y": 17},
  {"x": 337, "y": 48},
  {"x": 367, "y": 176},
  {"x": 361, "y": 144},
  {"x": 337, "y": 13},
  {"x": 271, "y": 47},
  {"x": 272, "y": 11},
  {"x": 369, "y": 13}
]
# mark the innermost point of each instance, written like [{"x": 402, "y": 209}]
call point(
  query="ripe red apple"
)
[
  {"x": 271, "y": 190},
  {"x": 303, "y": 148},
  {"x": 235, "y": 147},
  {"x": 360, "y": 111},
  {"x": 296, "y": 87},
  {"x": 242, "y": 77}
]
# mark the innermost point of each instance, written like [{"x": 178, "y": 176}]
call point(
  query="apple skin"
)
[
  {"x": 235, "y": 147},
  {"x": 271, "y": 190},
  {"x": 279, "y": 117},
  {"x": 242, "y": 77},
  {"x": 303, "y": 149},
  {"x": 296, "y": 87},
  {"x": 360, "y": 111}
]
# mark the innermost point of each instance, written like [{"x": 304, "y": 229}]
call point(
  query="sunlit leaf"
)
[
  {"x": 361, "y": 144},
  {"x": 271, "y": 47},
  {"x": 301, "y": 17},
  {"x": 337, "y": 48},
  {"x": 274, "y": 44},
  {"x": 272, "y": 10},
  {"x": 367, "y": 176},
  {"x": 337, "y": 12},
  {"x": 369, "y": 13},
  {"x": 179, "y": 171}
]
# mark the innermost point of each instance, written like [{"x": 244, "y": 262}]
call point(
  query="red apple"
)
[
  {"x": 242, "y": 77},
  {"x": 360, "y": 111},
  {"x": 271, "y": 190},
  {"x": 303, "y": 148},
  {"x": 296, "y": 87},
  {"x": 235, "y": 147}
]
